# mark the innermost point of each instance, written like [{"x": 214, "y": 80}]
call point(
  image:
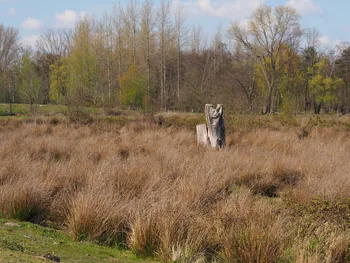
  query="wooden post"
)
[{"x": 216, "y": 125}]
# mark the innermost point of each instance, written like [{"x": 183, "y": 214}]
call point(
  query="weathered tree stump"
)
[
  {"x": 202, "y": 134},
  {"x": 214, "y": 135},
  {"x": 216, "y": 125}
]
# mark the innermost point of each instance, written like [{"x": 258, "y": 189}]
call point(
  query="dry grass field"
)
[{"x": 277, "y": 193}]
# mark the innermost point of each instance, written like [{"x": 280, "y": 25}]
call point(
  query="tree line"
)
[{"x": 148, "y": 57}]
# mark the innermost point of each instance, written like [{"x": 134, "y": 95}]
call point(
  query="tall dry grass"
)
[{"x": 272, "y": 196}]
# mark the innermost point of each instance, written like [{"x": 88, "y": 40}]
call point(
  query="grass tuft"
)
[{"x": 268, "y": 197}]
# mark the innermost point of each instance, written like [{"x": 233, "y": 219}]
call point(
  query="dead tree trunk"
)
[
  {"x": 202, "y": 134},
  {"x": 214, "y": 135},
  {"x": 216, "y": 125}
]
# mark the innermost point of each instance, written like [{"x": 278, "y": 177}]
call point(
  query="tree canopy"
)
[{"x": 139, "y": 56}]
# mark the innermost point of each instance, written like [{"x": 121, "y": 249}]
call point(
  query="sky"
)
[{"x": 33, "y": 17}]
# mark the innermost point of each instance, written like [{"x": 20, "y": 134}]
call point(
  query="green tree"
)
[
  {"x": 291, "y": 78},
  {"x": 309, "y": 60},
  {"x": 134, "y": 88},
  {"x": 59, "y": 81},
  {"x": 84, "y": 70},
  {"x": 323, "y": 84},
  {"x": 30, "y": 84}
]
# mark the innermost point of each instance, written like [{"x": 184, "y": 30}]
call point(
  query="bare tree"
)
[
  {"x": 197, "y": 39},
  {"x": 343, "y": 71},
  {"x": 268, "y": 31},
  {"x": 244, "y": 74},
  {"x": 8, "y": 54},
  {"x": 55, "y": 42},
  {"x": 131, "y": 23},
  {"x": 163, "y": 21},
  {"x": 312, "y": 38},
  {"x": 147, "y": 26},
  {"x": 118, "y": 28},
  {"x": 104, "y": 47},
  {"x": 181, "y": 31},
  {"x": 51, "y": 47}
]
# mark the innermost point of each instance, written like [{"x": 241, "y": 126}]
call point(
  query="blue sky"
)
[{"x": 32, "y": 17}]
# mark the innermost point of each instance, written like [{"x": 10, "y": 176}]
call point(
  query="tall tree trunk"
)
[
  {"x": 180, "y": 33},
  {"x": 148, "y": 75},
  {"x": 163, "y": 19},
  {"x": 346, "y": 91},
  {"x": 164, "y": 86},
  {"x": 120, "y": 70},
  {"x": 268, "y": 105},
  {"x": 306, "y": 96},
  {"x": 161, "y": 80},
  {"x": 11, "y": 87},
  {"x": 109, "y": 54},
  {"x": 178, "y": 77},
  {"x": 4, "y": 84},
  {"x": 346, "y": 97}
]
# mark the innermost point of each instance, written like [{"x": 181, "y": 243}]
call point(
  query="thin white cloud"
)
[
  {"x": 232, "y": 9},
  {"x": 32, "y": 24},
  {"x": 68, "y": 18},
  {"x": 12, "y": 12},
  {"x": 244, "y": 23},
  {"x": 325, "y": 40},
  {"x": 305, "y": 7},
  {"x": 30, "y": 41}
]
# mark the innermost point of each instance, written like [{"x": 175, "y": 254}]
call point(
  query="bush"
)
[{"x": 79, "y": 116}]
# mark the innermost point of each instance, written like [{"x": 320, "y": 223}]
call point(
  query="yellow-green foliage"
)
[
  {"x": 30, "y": 83},
  {"x": 261, "y": 77},
  {"x": 291, "y": 78},
  {"x": 59, "y": 80},
  {"x": 288, "y": 75},
  {"x": 133, "y": 87},
  {"x": 75, "y": 78},
  {"x": 323, "y": 85}
]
